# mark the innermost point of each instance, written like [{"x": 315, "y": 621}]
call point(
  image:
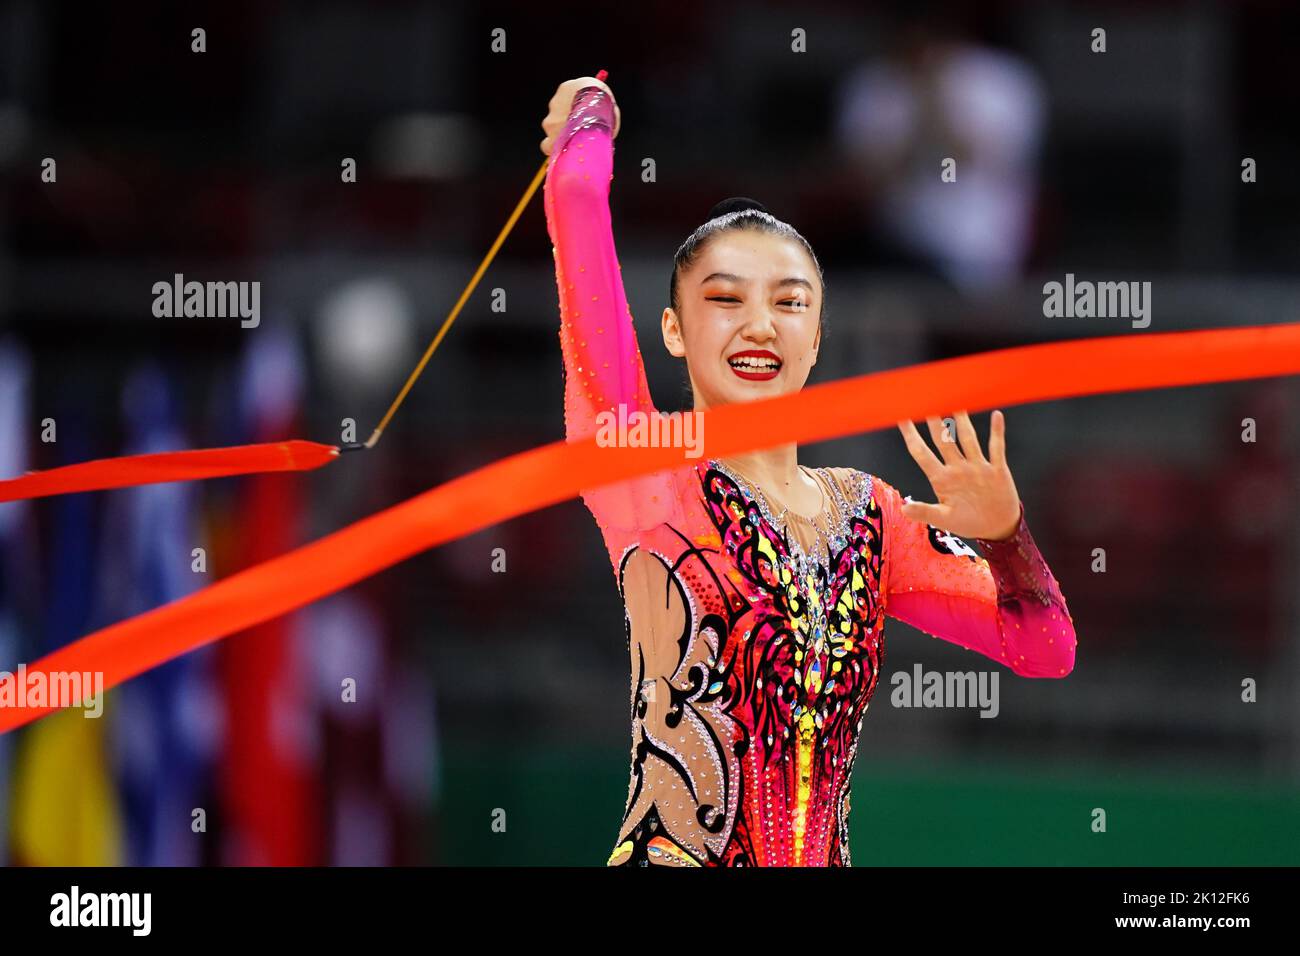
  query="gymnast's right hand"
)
[{"x": 562, "y": 102}]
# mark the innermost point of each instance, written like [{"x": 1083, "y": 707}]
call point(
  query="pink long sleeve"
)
[
  {"x": 1006, "y": 605},
  {"x": 602, "y": 362}
]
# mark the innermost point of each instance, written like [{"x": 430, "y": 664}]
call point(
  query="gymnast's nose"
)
[{"x": 759, "y": 326}]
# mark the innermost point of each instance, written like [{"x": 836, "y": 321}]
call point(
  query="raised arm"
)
[
  {"x": 1005, "y": 605},
  {"x": 602, "y": 363}
]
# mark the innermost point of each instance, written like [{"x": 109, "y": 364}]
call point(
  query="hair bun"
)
[{"x": 735, "y": 204}]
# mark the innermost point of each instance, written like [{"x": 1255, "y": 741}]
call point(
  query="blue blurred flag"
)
[
  {"x": 165, "y": 721},
  {"x": 17, "y": 548},
  {"x": 65, "y": 812}
]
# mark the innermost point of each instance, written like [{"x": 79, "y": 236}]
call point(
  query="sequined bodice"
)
[{"x": 749, "y": 761}]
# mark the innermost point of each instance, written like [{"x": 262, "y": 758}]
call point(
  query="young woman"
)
[{"x": 756, "y": 589}]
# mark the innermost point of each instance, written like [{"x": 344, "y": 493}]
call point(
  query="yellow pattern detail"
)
[
  {"x": 623, "y": 849},
  {"x": 803, "y": 788}
]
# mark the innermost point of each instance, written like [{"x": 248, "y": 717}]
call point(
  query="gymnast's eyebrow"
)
[{"x": 732, "y": 277}]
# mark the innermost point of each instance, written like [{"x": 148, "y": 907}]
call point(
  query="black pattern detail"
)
[{"x": 947, "y": 543}]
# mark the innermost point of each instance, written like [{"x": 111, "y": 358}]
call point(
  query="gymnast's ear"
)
[{"x": 671, "y": 325}]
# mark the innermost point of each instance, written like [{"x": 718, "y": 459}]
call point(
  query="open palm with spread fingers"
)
[{"x": 977, "y": 495}]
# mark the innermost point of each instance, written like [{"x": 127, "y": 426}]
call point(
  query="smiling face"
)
[{"x": 750, "y": 322}]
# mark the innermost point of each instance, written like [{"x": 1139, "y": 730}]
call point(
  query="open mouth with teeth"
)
[{"x": 755, "y": 366}]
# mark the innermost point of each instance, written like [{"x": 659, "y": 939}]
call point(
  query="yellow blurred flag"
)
[{"x": 65, "y": 810}]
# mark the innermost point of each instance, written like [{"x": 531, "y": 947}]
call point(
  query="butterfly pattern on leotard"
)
[{"x": 794, "y": 659}]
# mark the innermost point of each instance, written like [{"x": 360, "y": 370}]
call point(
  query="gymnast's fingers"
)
[
  {"x": 998, "y": 438},
  {"x": 970, "y": 442},
  {"x": 920, "y": 451},
  {"x": 947, "y": 446}
]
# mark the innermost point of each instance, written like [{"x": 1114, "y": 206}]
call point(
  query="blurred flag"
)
[
  {"x": 65, "y": 812},
  {"x": 17, "y": 545},
  {"x": 271, "y": 796},
  {"x": 379, "y": 732},
  {"x": 166, "y": 720},
  {"x": 347, "y": 636},
  {"x": 412, "y": 764}
]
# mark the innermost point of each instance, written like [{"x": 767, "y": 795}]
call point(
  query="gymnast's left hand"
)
[{"x": 977, "y": 495}]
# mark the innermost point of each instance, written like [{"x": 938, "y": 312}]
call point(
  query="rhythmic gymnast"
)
[{"x": 755, "y": 589}]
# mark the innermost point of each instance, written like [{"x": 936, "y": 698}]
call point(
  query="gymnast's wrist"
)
[{"x": 1011, "y": 534}]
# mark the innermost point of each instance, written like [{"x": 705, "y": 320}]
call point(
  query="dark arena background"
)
[{"x": 358, "y": 160}]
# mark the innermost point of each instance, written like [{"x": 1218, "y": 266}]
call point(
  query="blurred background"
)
[{"x": 481, "y": 692}]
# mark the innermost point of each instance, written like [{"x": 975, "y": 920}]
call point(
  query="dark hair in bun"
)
[
  {"x": 736, "y": 213},
  {"x": 734, "y": 204}
]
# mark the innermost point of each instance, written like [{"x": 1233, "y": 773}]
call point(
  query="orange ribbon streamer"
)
[
  {"x": 553, "y": 473},
  {"x": 295, "y": 455}
]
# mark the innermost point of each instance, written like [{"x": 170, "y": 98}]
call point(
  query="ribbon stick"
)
[
  {"x": 105, "y": 473},
  {"x": 553, "y": 473},
  {"x": 249, "y": 459},
  {"x": 293, "y": 455},
  {"x": 538, "y": 178}
]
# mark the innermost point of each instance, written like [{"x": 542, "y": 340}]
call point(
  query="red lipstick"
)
[{"x": 755, "y": 365}]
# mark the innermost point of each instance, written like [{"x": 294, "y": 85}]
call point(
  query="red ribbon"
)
[
  {"x": 295, "y": 455},
  {"x": 553, "y": 473}
]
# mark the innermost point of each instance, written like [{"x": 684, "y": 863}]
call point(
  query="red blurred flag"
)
[{"x": 270, "y": 785}]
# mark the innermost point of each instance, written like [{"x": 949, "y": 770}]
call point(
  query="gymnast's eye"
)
[
  {"x": 722, "y": 298},
  {"x": 795, "y": 303}
]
